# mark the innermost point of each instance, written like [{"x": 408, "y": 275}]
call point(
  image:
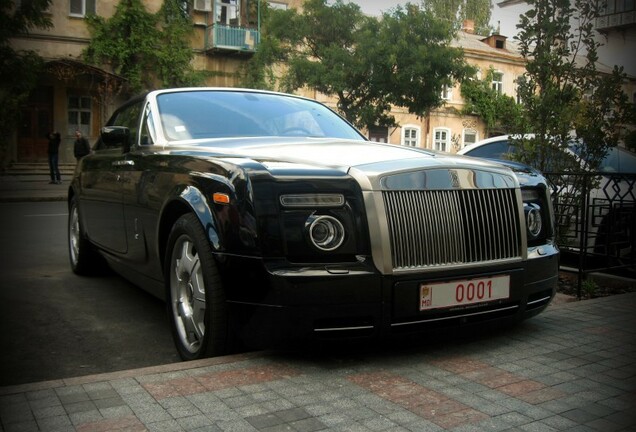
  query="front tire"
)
[
  {"x": 84, "y": 260},
  {"x": 196, "y": 300}
]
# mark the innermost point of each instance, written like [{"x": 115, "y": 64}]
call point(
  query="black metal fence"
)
[{"x": 596, "y": 220}]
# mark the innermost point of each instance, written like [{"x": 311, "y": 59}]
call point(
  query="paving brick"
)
[
  {"x": 129, "y": 423},
  {"x": 555, "y": 372},
  {"x": 81, "y": 406}
]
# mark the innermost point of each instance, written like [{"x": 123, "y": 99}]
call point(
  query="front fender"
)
[
  {"x": 182, "y": 200},
  {"x": 198, "y": 203}
]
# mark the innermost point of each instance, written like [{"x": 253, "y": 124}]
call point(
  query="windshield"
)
[
  {"x": 205, "y": 114},
  {"x": 617, "y": 160}
]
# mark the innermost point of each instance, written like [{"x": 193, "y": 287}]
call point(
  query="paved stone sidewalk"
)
[
  {"x": 18, "y": 188},
  {"x": 572, "y": 368}
]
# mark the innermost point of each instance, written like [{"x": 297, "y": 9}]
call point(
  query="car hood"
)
[
  {"x": 519, "y": 167},
  {"x": 336, "y": 154},
  {"x": 368, "y": 162}
]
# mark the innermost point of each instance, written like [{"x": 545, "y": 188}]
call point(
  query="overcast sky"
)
[{"x": 508, "y": 17}]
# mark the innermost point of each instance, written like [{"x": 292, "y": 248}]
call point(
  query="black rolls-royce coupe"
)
[{"x": 265, "y": 216}]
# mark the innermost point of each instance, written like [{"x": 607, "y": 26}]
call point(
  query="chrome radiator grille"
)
[{"x": 445, "y": 227}]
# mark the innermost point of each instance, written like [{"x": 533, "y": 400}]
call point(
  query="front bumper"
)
[{"x": 314, "y": 303}]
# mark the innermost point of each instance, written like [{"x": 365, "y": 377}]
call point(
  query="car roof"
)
[{"x": 618, "y": 159}]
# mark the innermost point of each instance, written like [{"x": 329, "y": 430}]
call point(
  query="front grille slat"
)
[{"x": 432, "y": 228}]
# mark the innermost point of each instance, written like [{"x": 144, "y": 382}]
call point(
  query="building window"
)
[
  {"x": 79, "y": 114},
  {"x": 276, "y": 5},
  {"x": 447, "y": 93},
  {"x": 227, "y": 12},
  {"x": 497, "y": 82},
  {"x": 442, "y": 139},
  {"x": 470, "y": 137},
  {"x": 379, "y": 134},
  {"x": 81, "y": 8},
  {"x": 411, "y": 136}
]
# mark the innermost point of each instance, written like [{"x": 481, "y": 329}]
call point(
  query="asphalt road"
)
[{"x": 54, "y": 324}]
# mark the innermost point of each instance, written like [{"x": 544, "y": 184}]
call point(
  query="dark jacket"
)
[
  {"x": 81, "y": 147},
  {"x": 54, "y": 142}
]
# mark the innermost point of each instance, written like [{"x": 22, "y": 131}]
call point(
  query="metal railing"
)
[
  {"x": 225, "y": 37},
  {"x": 596, "y": 218}
]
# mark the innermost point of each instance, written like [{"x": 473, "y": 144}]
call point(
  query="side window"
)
[
  {"x": 147, "y": 136},
  {"x": 128, "y": 117},
  {"x": 493, "y": 150}
]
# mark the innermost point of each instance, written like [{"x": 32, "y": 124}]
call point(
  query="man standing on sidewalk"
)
[
  {"x": 81, "y": 147},
  {"x": 53, "y": 152}
]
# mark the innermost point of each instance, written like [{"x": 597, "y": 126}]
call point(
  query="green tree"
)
[
  {"x": 19, "y": 69},
  {"x": 499, "y": 112},
  {"x": 148, "y": 50},
  {"x": 367, "y": 64},
  {"x": 456, "y": 11},
  {"x": 260, "y": 71},
  {"x": 566, "y": 101},
  {"x": 175, "y": 59},
  {"x": 563, "y": 94}
]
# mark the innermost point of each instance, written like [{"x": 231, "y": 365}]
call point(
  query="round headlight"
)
[
  {"x": 533, "y": 220},
  {"x": 326, "y": 232}
]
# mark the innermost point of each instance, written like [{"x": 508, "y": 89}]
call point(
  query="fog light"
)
[
  {"x": 533, "y": 220},
  {"x": 325, "y": 232}
]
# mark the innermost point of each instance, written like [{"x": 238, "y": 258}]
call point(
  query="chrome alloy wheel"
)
[
  {"x": 187, "y": 294},
  {"x": 74, "y": 235}
]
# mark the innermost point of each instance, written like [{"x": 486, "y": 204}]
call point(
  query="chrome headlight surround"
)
[
  {"x": 534, "y": 220},
  {"x": 325, "y": 232}
]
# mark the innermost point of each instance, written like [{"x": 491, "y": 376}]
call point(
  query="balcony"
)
[
  {"x": 229, "y": 38},
  {"x": 616, "y": 20}
]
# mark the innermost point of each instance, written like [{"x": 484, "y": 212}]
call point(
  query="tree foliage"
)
[
  {"x": 499, "y": 112},
  {"x": 261, "y": 71},
  {"x": 174, "y": 60},
  {"x": 568, "y": 102},
  {"x": 564, "y": 95},
  {"x": 148, "y": 50},
  {"x": 19, "y": 70},
  {"x": 367, "y": 64},
  {"x": 456, "y": 11}
]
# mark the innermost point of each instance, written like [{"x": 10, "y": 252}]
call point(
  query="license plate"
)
[{"x": 464, "y": 292}]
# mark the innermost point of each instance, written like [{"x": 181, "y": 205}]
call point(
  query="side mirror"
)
[{"x": 116, "y": 136}]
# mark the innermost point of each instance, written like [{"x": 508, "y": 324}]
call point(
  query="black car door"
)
[{"x": 103, "y": 182}]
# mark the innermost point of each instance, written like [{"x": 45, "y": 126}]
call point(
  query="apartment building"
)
[
  {"x": 72, "y": 95},
  {"x": 446, "y": 128}
]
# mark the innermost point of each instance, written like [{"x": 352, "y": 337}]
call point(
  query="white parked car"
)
[{"x": 611, "y": 219}]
